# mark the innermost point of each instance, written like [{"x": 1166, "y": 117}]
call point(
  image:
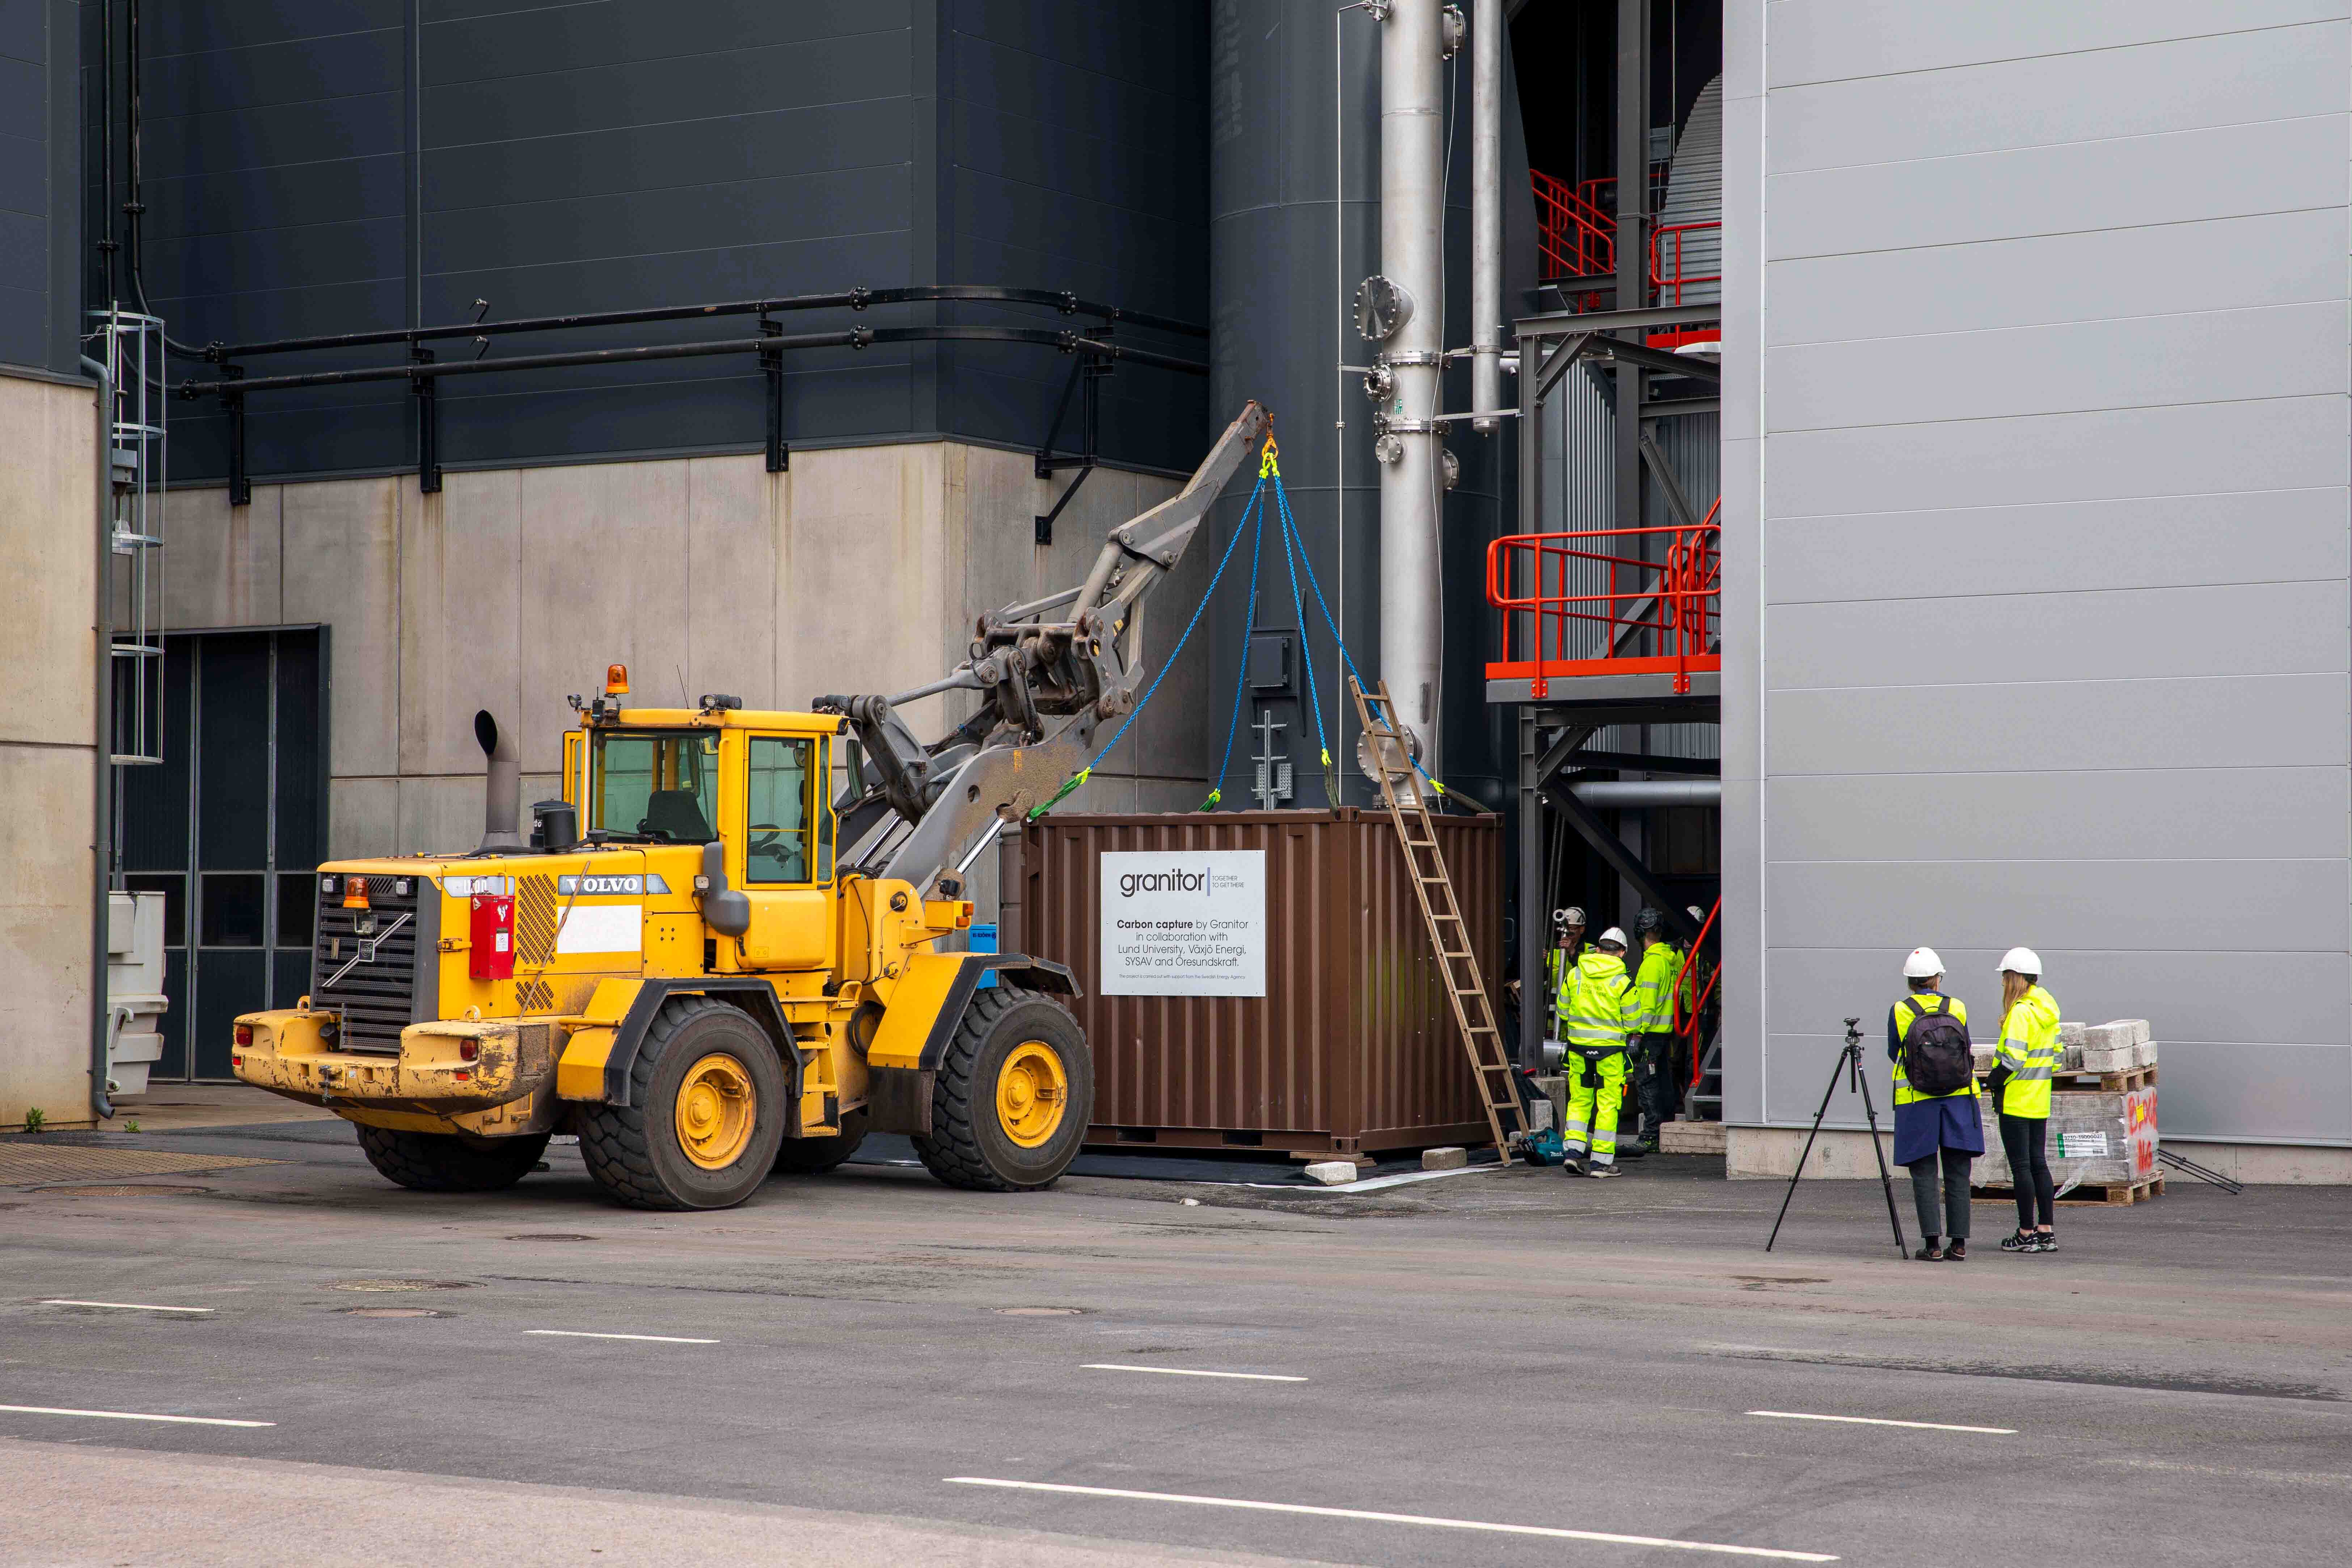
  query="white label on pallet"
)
[
  {"x": 2081, "y": 1145},
  {"x": 1183, "y": 923}
]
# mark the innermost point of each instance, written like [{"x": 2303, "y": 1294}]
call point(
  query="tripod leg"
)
[
  {"x": 1800, "y": 1171},
  {"x": 1885, "y": 1180}
]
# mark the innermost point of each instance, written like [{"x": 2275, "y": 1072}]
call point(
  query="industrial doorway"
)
[{"x": 229, "y": 828}]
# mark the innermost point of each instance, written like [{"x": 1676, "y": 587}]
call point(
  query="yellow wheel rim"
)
[
  {"x": 717, "y": 1107},
  {"x": 1031, "y": 1092}
]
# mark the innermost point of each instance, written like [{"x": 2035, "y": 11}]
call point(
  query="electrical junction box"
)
[
  {"x": 491, "y": 952},
  {"x": 1269, "y": 661}
]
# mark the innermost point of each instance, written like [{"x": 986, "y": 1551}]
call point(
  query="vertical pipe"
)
[
  {"x": 106, "y": 147},
  {"x": 1535, "y": 892},
  {"x": 1412, "y": 151},
  {"x": 1487, "y": 215},
  {"x": 1632, "y": 256},
  {"x": 102, "y": 760}
]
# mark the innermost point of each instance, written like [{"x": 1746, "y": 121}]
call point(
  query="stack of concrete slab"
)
[{"x": 2122, "y": 1046}]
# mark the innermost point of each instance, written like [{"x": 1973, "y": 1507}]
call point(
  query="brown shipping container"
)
[{"x": 1352, "y": 1048}]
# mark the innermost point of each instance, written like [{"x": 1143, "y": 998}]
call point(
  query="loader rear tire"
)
[
  {"x": 442, "y": 1163},
  {"x": 815, "y": 1156},
  {"x": 1013, "y": 1094},
  {"x": 708, "y": 1098}
]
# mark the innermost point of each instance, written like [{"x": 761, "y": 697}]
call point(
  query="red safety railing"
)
[
  {"x": 1689, "y": 1023},
  {"x": 1669, "y": 273},
  {"x": 1628, "y": 600},
  {"x": 1575, "y": 230}
]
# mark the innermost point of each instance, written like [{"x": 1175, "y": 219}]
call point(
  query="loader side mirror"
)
[{"x": 724, "y": 908}]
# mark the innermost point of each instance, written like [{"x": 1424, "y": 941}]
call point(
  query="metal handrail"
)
[
  {"x": 1576, "y": 237},
  {"x": 1662, "y": 615},
  {"x": 1678, "y": 280}
]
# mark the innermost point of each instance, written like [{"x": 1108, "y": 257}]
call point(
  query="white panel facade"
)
[{"x": 2037, "y": 390}]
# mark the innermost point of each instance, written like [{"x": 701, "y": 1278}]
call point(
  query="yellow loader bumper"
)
[{"x": 491, "y": 1078}]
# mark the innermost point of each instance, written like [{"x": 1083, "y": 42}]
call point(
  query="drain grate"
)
[
  {"x": 405, "y": 1285},
  {"x": 23, "y": 1163},
  {"x": 101, "y": 1190}
]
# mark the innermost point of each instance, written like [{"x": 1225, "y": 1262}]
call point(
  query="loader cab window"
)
[
  {"x": 783, "y": 815},
  {"x": 662, "y": 785}
]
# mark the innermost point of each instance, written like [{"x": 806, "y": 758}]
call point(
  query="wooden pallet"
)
[
  {"x": 2105, "y": 1082},
  {"x": 2090, "y": 1195}
]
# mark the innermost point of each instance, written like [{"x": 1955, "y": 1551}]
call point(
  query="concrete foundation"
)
[
  {"x": 862, "y": 569},
  {"x": 1769, "y": 1153},
  {"x": 48, "y": 748}
]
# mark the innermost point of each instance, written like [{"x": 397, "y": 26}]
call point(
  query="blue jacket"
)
[{"x": 1926, "y": 1126}]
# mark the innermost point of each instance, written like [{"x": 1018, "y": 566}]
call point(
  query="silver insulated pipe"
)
[
  {"x": 1412, "y": 154},
  {"x": 1485, "y": 215}
]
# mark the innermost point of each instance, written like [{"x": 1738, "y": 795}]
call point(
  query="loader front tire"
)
[
  {"x": 1013, "y": 1094},
  {"x": 708, "y": 1099},
  {"x": 441, "y": 1162}
]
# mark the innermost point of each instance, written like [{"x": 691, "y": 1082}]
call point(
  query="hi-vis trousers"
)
[{"x": 1592, "y": 1109}]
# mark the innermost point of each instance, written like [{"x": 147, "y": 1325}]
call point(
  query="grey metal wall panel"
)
[
  {"x": 2273, "y": 628},
  {"x": 2162, "y": 542},
  {"x": 2272, "y": 1094},
  {"x": 2267, "y": 259},
  {"x": 2205, "y": 356},
  {"x": 2191, "y": 449},
  {"x": 2174, "y": 84},
  {"x": 1818, "y": 40},
  {"x": 41, "y": 253},
  {"x": 2231, "y": 906},
  {"x": 2240, "y": 721},
  {"x": 2251, "y": 814},
  {"x": 2133, "y": 181}
]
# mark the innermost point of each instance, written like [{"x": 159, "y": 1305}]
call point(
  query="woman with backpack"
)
[
  {"x": 2022, "y": 1066},
  {"x": 1936, "y": 1120}
]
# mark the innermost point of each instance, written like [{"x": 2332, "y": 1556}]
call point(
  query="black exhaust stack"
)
[{"x": 502, "y": 804}]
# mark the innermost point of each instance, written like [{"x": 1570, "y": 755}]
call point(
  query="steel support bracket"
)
[
  {"x": 772, "y": 369},
  {"x": 428, "y": 425}
]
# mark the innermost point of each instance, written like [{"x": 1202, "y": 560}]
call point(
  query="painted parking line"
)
[
  {"x": 126, "y": 1305},
  {"x": 584, "y": 1335},
  {"x": 1188, "y": 1371},
  {"x": 1430, "y": 1521},
  {"x": 1880, "y": 1421},
  {"x": 130, "y": 1415}
]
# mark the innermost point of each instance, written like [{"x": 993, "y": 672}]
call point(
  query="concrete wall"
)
[
  {"x": 2035, "y": 448},
  {"x": 860, "y": 570},
  {"x": 47, "y": 747}
]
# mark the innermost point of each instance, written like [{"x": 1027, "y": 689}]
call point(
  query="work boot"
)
[
  {"x": 1572, "y": 1166},
  {"x": 1605, "y": 1171}
]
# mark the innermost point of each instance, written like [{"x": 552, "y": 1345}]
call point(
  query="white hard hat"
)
[
  {"x": 1615, "y": 934},
  {"x": 1923, "y": 965},
  {"x": 2022, "y": 961},
  {"x": 1695, "y": 911}
]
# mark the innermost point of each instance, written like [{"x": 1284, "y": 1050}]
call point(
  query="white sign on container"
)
[{"x": 1183, "y": 923}]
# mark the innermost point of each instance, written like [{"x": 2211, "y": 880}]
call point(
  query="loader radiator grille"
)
[{"x": 369, "y": 975}]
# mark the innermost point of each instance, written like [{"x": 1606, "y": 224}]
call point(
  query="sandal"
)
[
  {"x": 1931, "y": 1253},
  {"x": 2022, "y": 1241},
  {"x": 2045, "y": 1241},
  {"x": 1958, "y": 1252}
]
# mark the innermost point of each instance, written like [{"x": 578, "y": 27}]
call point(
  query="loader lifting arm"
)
[{"x": 1050, "y": 672}]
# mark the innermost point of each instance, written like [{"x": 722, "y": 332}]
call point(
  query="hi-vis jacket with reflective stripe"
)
[
  {"x": 1593, "y": 1006},
  {"x": 1908, "y": 1008},
  {"x": 1651, "y": 1003},
  {"x": 2029, "y": 1050}
]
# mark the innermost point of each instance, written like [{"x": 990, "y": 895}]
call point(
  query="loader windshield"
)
[{"x": 660, "y": 784}]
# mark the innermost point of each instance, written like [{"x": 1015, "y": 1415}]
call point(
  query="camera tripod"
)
[{"x": 1850, "y": 1060}]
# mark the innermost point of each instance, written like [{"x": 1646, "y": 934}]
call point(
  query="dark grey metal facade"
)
[
  {"x": 341, "y": 165},
  {"x": 40, "y": 285}
]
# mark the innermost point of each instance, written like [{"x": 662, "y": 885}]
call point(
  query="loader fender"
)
[
  {"x": 617, "y": 1022},
  {"x": 921, "y": 1020}
]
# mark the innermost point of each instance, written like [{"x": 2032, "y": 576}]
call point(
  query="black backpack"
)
[{"x": 1935, "y": 1057}]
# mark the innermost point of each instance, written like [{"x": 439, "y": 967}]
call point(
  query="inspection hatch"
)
[
  {"x": 23, "y": 1164},
  {"x": 388, "y": 1284}
]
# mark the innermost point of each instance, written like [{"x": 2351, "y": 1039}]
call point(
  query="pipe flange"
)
[
  {"x": 1389, "y": 448},
  {"x": 1452, "y": 465},
  {"x": 1380, "y": 382}
]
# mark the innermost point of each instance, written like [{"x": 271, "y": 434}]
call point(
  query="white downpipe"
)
[
  {"x": 1412, "y": 151},
  {"x": 1487, "y": 215}
]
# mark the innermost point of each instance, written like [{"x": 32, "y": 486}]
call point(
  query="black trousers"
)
[
  {"x": 1953, "y": 1221},
  {"x": 1654, "y": 1078},
  {"x": 2029, "y": 1169}
]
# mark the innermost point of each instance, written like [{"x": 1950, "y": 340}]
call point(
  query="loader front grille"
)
[{"x": 369, "y": 962}]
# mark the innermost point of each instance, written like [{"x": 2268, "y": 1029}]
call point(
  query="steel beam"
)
[{"x": 1589, "y": 825}]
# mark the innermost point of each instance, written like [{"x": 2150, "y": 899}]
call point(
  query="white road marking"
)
[
  {"x": 1544, "y": 1530},
  {"x": 1188, "y": 1371},
  {"x": 1876, "y": 1421},
  {"x": 126, "y": 1305},
  {"x": 132, "y": 1415},
  {"x": 584, "y": 1335}
]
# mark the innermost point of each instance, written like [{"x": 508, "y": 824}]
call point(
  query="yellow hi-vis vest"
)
[
  {"x": 1593, "y": 1004},
  {"x": 1906, "y": 1010},
  {"x": 2029, "y": 1050},
  {"x": 1651, "y": 1006}
]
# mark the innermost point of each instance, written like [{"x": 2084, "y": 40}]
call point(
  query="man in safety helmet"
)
[
  {"x": 1594, "y": 1009},
  {"x": 1650, "y": 1015}
]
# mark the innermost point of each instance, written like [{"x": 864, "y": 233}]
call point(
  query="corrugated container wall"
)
[{"x": 1352, "y": 1048}]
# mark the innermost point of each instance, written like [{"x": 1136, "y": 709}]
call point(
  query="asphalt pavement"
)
[{"x": 1500, "y": 1366}]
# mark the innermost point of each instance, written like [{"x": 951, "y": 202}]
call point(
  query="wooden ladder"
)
[{"x": 1449, "y": 934}]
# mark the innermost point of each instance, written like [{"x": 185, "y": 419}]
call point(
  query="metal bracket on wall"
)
[
  {"x": 771, "y": 366},
  {"x": 1086, "y": 378},
  {"x": 240, "y": 482},
  {"x": 428, "y": 425}
]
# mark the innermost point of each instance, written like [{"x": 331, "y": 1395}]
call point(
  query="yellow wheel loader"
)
[{"x": 710, "y": 959}]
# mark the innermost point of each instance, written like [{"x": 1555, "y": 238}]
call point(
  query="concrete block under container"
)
[{"x": 1451, "y": 1158}]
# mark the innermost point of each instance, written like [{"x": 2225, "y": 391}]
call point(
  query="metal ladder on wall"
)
[{"x": 1449, "y": 934}]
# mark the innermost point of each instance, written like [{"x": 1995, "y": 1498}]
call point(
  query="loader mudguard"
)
[
  {"x": 749, "y": 992},
  {"x": 922, "y": 1019}
]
